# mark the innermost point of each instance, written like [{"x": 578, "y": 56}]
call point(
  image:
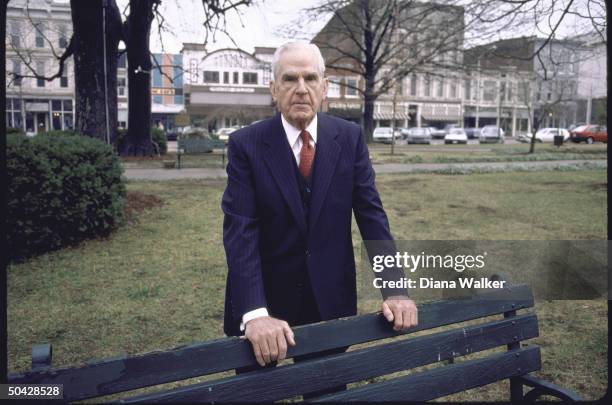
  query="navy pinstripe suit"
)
[{"x": 270, "y": 243}]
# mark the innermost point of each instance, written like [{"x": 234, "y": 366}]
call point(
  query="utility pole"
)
[
  {"x": 478, "y": 94},
  {"x": 393, "y": 118}
]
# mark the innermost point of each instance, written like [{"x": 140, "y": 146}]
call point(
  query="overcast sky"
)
[{"x": 260, "y": 24}]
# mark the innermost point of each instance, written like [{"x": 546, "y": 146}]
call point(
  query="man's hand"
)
[
  {"x": 400, "y": 310},
  {"x": 269, "y": 338}
]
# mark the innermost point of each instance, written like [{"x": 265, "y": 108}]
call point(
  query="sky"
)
[{"x": 261, "y": 23}]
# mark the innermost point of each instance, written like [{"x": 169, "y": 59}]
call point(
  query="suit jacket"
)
[{"x": 268, "y": 240}]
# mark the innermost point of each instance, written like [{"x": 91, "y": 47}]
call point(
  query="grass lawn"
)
[
  {"x": 415, "y": 154},
  {"x": 158, "y": 282},
  {"x": 484, "y": 153}
]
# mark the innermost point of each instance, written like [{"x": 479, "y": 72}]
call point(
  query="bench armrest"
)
[{"x": 542, "y": 387}]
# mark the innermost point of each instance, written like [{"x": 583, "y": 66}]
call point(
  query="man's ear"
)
[
  {"x": 273, "y": 91},
  {"x": 325, "y": 86}
]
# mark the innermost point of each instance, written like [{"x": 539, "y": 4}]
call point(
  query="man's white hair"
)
[{"x": 289, "y": 46}]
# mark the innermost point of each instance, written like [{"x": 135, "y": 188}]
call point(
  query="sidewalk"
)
[{"x": 175, "y": 174}]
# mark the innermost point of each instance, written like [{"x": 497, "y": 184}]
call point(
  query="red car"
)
[{"x": 589, "y": 134}]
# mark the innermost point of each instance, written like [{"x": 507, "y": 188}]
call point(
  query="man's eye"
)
[
  {"x": 289, "y": 79},
  {"x": 311, "y": 78}
]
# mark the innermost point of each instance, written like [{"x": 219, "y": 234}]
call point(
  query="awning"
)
[{"x": 399, "y": 115}]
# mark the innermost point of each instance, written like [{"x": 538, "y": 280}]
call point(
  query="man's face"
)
[{"x": 299, "y": 88}]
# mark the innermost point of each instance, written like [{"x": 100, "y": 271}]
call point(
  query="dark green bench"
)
[
  {"x": 199, "y": 146},
  {"x": 515, "y": 363}
]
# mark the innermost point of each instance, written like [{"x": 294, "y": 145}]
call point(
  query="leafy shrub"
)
[
  {"x": 61, "y": 189},
  {"x": 59, "y": 133},
  {"x": 158, "y": 136},
  {"x": 11, "y": 130}
]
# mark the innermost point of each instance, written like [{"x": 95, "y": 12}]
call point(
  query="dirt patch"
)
[
  {"x": 599, "y": 186},
  {"x": 137, "y": 202},
  {"x": 486, "y": 210}
]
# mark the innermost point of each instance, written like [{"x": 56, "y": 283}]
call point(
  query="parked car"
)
[
  {"x": 224, "y": 133},
  {"x": 574, "y": 126},
  {"x": 456, "y": 135},
  {"x": 491, "y": 134},
  {"x": 589, "y": 134},
  {"x": 472, "y": 133},
  {"x": 419, "y": 135},
  {"x": 384, "y": 134},
  {"x": 548, "y": 134},
  {"x": 448, "y": 127},
  {"x": 437, "y": 133},
  {"x": 172, "y": 135}
]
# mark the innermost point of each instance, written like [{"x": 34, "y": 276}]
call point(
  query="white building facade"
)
[
  {"x": 227, "y": 87},
  {"x": 36, "y": 30}
]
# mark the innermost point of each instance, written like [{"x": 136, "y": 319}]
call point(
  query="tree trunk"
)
[
  {"x": 92, "y": 97},
  {"x": 138, "y": 139},
  {"x": 368, "y": 115}
]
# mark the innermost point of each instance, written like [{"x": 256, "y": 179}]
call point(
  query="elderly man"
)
[{"x": 293, "y": 182}]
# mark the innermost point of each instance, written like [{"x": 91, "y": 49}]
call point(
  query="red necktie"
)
[{"x": 306, "y": 155}]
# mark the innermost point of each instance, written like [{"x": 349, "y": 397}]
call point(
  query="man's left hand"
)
[{"x": 400, "y": 310}]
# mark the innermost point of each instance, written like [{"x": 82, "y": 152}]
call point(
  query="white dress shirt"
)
[{"x": 295, "y": 141}]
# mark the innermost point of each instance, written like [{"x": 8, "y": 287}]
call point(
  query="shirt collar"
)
[{"x": 293, "y": 133}]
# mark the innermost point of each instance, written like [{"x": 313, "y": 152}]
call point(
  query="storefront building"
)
[
  {"x": 227, "y": 87},
  {"x": 36, "y": 105}
]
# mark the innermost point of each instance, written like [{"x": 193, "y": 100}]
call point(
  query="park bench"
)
[
  {"x": 447, "y": 347},
  {"x": 199, "y": 146}
]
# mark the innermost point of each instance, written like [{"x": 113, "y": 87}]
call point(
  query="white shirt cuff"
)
[{"x": 249, "y": 316}]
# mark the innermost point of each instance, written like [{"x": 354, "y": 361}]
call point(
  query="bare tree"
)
[{"x": 384, "y": 41}]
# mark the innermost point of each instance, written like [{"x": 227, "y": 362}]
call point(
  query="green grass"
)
[
  {"x": 484, "y": 153},
  {"x": 159, "y": 282}
]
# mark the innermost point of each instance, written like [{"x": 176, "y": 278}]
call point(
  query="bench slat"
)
[
  {"x": 445, "y": 380},
  {"x": 126, "y": 373},
  {"x": 288, "y": 381}
]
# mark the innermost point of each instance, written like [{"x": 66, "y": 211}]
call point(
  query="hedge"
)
[{"x": 61, "y": 189}]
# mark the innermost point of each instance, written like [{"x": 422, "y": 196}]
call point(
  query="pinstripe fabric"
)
[{"x": 268, "y": 243}]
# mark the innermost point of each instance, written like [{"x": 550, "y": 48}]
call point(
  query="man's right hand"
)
[{"x": 269, "y": 338}]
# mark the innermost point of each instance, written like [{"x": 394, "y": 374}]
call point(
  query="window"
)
[
  {"x": 64, "y": 77},
  {"x": 249, "y": 78},
  {"x": 467, "y": 84},
  {"x": 15, "y": 37},
  {"x": 226, "y": 77},
  {"x": 453, "y": 90},
  {"x": 16, "y": 72},
  {"x": 211, "y": 77},
  {"x": 489, "y": 90},
  {"x": 14, "y": 118},
  {"x": 40, "y": 70},
  {"x": 427, "y": 86},
  {"x": 62, "y": 41},
  {"x": 193, "y": 71},
  {"x": 350, "y": 89},
  {"x": 334, "y": 87},
  {"x": 40, "y": 35},
  {"x": 509, "y": 94},
  {"x": 122, "y": 63},
  {"x": 502, "y": 90},
  {"x": 61, "y": 114},
  {"x": 413, "y": 85},
  {"x": 440, "y": 88},
  {"x": 121, "y": 86},
  {"x": 236, "y": 76}
]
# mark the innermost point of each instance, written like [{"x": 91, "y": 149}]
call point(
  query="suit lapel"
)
[
  {"x": 278, "y": 159},
  {"x": 327, "y": 153}
]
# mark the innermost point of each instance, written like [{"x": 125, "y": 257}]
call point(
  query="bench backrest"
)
[
  {"x": 199, "y": 145},
  {"x": 124, "y": 374}
]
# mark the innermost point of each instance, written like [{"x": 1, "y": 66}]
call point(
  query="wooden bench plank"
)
[
  {"x": 445, "y": 380},
  {"x": 288, "y": 381},
  {"x": 126, "y": 373}
]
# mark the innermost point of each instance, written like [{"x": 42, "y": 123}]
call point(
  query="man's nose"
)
[{"x": 301, "y": 86}]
